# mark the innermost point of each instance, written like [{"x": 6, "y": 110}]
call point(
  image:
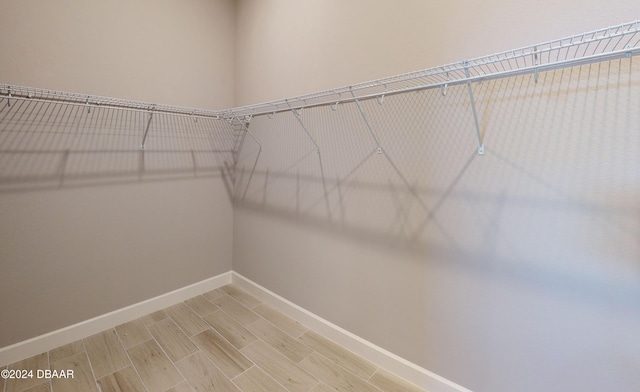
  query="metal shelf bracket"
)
[
  {"x": 146, "y": 131},
  {"x": 535, "y": 64},
  {"x": 366, "y": 121},
  {"x": 246, "y": 129},
  {"x": 297, "y": 116},
  {"x": 473, "y": 108}
]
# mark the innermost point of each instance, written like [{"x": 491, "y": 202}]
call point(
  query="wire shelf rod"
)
[
  {"x": 592, "y": 46},
  {"x": 623, "y": 53},
  {"x": 600, "y": 45},
  {"x": 94, "y": 101}
]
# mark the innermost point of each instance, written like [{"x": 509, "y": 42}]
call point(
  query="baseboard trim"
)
[
  {"x": 60, "y": 337},
  {"x": 411, "y": 372}
]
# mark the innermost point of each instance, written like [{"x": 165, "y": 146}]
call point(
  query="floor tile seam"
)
[
  {"x": 49, "y": 365},
  {"x": 5, "y": 382},
  {"x": 210, "y": 291},
  {"x": 246, "y": 370},
  {"x": 207, "y": 358},
  {"x": 154, "y": 322},
  {"x": 66, "y": 356},
  {"x": 211, "y": 326},
  {"x": 194, "y": 311},
  {"x": 358, "y": 356},
  {"x": 379, "y": 368},
  {"x": 242, "y": 305},
  {"x": 268, "y": 375},
  {"x": 228, "y": 342},
  {"x": 234, "y": 319},
  {"x": 178, "y": 369},
  {"x": 242, "y": 291},
  {"x": 305, "y": 327},
  {"x": 170, "y": 361},
  {"x": 314, "y": 350},
  {"x": 121, "y": 339},
  {"x": 278, "y": 351},
  {"x": 126, "y": 351},
  {"x": 296, "y": 364},
  {"x": 374, "y": 373},
  {"x": 352, "y": 373},
  {"x": 188, "y": 338},
  {"x": 175, "y": 321},
  {"x": 281, "y": 330},
  {"x": 93, "y": 372}
]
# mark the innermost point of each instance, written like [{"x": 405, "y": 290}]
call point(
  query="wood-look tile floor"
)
[{"x": 223, "y": 340}]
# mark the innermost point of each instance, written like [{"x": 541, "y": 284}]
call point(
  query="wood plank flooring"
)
[{"x": 223, "y": 340}]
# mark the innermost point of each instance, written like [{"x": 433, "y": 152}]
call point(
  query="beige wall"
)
[
  {"x": 513, "y": 271},
  {"x": 176, "y": 53},
  {"x": 109, "y": 232}
]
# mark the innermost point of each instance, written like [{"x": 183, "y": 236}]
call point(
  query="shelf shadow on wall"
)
[
  {"x": 36, "y": 170},
  {"x": 497, "y": 250},
  {"x": 553, "y": 201},
  {"x": 51, "y": 145}
]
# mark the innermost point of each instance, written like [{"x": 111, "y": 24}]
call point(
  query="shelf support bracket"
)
[
  {"x": 535, "y": 64},
  {"x": 443, "y": 88},
  {"x": 473, "y": 109},
  {"x": 297, "y": 116},
  {"x": 246, "y": 129},
  {"x": 366, "y": 121},
  {"x": 9, "y": 99},
  {"x": 146, "y": 131}
]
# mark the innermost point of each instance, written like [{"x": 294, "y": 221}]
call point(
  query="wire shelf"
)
[
  {"x": 12, "y": 92},
  {"x": 596, "y": 46}
]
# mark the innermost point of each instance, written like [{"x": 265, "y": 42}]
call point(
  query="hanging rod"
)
[
  {"x": 90, "y": 101},
  {"x": 600, "y": 45},
  {"x": 591, "y": 47}
]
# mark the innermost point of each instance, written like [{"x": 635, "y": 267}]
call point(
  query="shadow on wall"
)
[
  {"x": 554, "y": 199},
  {"x": 49, "y": 145}
]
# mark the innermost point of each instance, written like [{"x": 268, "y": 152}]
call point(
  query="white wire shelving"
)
[
  {"x": 12, "y": 92},
  {"x": 595, "y": 46},
  {"x": 606, "y": 44}
]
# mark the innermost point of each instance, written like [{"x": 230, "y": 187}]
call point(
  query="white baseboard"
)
[
  {"x": 60, "y": 337},
  {"x": 411, "y": 372}
]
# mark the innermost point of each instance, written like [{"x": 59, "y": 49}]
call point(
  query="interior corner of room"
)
[{"x": 422, "y": 182}]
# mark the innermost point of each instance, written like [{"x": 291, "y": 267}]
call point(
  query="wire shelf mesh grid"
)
[{"x": 595, "y": 46}]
